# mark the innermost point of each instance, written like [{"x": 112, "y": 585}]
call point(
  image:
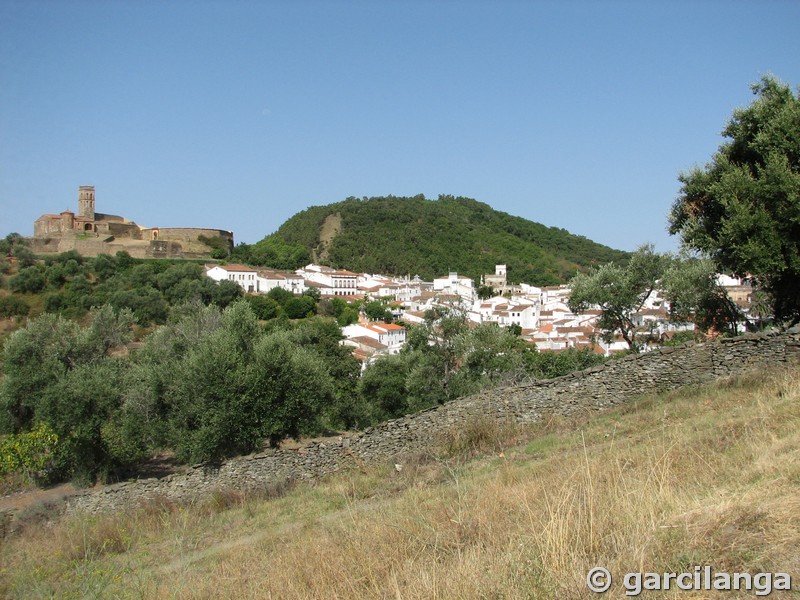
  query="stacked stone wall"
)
[
  {"x": 113, "y": 237},
  {"x": 109, "y": 244},
  {"x": 612, "y": 383},
  {"x": 121, "y": 230},
  {"x": 187, "y": 234}
]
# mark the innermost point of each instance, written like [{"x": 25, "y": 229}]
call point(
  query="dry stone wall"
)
[{"x": 612, "y": 383}]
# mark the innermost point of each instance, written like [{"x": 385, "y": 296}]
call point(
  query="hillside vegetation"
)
[
  {"x": 108, "y": 361},
  {"x": 429, "y": 238},
  {"x": 702, "y": 476}
]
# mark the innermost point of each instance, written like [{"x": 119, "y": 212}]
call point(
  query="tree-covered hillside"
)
[{"x": 397, "y": 235}]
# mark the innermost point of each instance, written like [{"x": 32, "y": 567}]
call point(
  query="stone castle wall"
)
[
  {"x": 603, "y": 386},
  {"x": 90, "y": 245},
  {"x": 186, "y": 234},
  {"x": 93, "y": 246},
  {"x": 166, "y": 246},
  {"x": 120, "y": 230}
]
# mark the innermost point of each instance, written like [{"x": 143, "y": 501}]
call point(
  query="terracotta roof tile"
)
[
  {"x": 237, "y": 268},
  {"x": 369, "y": 342}
]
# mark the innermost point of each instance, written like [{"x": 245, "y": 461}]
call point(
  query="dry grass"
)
[
  {"x": 697, "y": 477},
  {"x": 481, "y": 435}
]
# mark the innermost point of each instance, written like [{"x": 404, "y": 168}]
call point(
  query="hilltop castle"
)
[{"x": 92, "y": 233}]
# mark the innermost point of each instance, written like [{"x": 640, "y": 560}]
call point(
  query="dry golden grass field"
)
[{"x": 703, "y": 476}]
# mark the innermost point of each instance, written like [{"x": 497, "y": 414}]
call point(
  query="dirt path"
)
[
  {"x": 19, "y": 501},
  {"x": 330, "y": 228},
  {"x": 159, "y": 466}
]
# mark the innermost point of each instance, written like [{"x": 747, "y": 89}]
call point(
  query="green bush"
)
[
  {"x": 11, "y": 306},
  {"x": 264, "y": 307},
  {"x": 33, "y": 454},
  {"x": 28, "y": 280},
  {"x": 300, "y": 307},
  {"x": 377, "y": 311},
  {"x": 546, "y": 365},
  {"x": 225, "y": 292},
  {"x": 55, "y": 302},
  {"x": 220, "y": 247}
]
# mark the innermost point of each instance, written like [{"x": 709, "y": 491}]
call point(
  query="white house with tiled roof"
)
[
  {"x": 523, "y": 315},
  {"x": 414, "y": 316},
  {"x": 505, "y": 312},
  {"x": 378, "y": 286},
  {"x": 457, "y": 285},
  {"x": 269, "y": 279},
  {"x": 332, "y": 282},
  {"x": 245, "y": 277},
  {"x": 555, "y": 297},
  {"x": 530, "y": 292},
  {"x": 411, "y": 287},
  {"x": 390, "y": 335},
  {"x": 371, "y": 341}
]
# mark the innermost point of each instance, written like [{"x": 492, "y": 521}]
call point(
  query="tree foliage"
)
[
  {"x": 445, "y": 359},
  {"x": 619, "y": 290},
  {"x": 401, "y": 235},
  {"x": 547, "y": 365},
  {"x": 71, "y": 285},
  {"x": 486, "y": 354},
  {"x": 213, "y": 384},
  {"x": 33, "y": 454},
  {"x": 29, "y": 280},
  {"x": 694, "y": 294},
  {"x": 376, "y": 310},
  {"x": 59, "y": 374},
  {"x": 743, "y": 208},
  {"x": 13, "y": 306},
  {"x": 689, "y": 286},
  {"x": 274, "y": 252},
  {"x": 9, "y": 243}
]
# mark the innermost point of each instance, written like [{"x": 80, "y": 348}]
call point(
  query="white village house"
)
[
  {"x": 543, "y": 313},
  {"x": 371, "y": 341},
  {"x": 329, "y": 281},
  {"x": 269, "y": 279},
  {"x": 245, "y": 277},
  {"x": 456, "y": 285},
  {"x": 506, "y": 312},
  {"x": 390, "y": 335}
]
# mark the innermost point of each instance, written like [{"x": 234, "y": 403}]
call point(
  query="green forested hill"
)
[{"x": 396, "y": 235}]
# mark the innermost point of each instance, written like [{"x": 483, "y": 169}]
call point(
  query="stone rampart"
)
[
  {"x": 169, "y": 242},
  {"x": 606, "y": 385},
  {"x": 93, "y": 245},
  {"x": 186, "y": 234}
]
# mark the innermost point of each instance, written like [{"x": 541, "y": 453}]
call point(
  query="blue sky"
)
[{"x": 239, "y": 114}]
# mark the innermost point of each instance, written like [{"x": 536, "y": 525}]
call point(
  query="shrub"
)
[
  {"x": 220, "y": 247},
  {"x": 11, "y": 306},
  {"x": 300, "y": 307},
  {"x": 55, "y": 302},
  {"x": 479, "y": 435},
  {"x": 33, "y": 454},
  {"x": 28, "y": 280},
  {"x": 264, "y": 307}
]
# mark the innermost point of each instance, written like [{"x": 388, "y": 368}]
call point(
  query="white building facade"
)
[{"x": 245, "y": 277}]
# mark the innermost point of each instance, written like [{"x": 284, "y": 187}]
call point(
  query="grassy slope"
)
[
  {"x": 431, "y": 237},
  {"x": 708, "y": 476}
]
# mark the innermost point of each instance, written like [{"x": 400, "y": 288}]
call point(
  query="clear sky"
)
[{"x": 237, "y": 115}]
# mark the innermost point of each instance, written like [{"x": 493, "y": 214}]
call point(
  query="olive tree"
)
[
  {"x": 743, "y": 208},
  {"x": 693, "y": 293},
  {"x": 619, "y": 291}
]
